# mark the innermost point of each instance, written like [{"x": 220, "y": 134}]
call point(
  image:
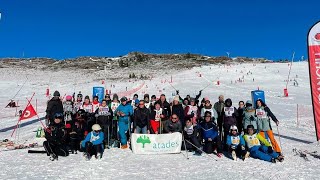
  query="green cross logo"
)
[{"x": 143, "y": 140}]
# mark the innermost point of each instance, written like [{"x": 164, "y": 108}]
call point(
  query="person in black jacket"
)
[
  {"x": 141, "y": 119},
  {"x": 55, "y": 138},
  {"x": 177, "y": 109},
  {"x": 172, "y": 125},
  {"x": 166, "y": 111},
  {"x": 191, "y": 136},
  {"x": 54, "y": 106},
  {"x": 104, "y": 118},
  {"x": 240, "y": 117}
]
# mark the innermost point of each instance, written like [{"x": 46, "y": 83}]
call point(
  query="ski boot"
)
[
  {"x": 280, "y": 158},
  {"x": 234, "y": 155},
  {"x": 98, "y": 156},
  {"x": 53, "y": 157},
  {"x": 246, "y": 155},
  {"x": 86, "y": 156}
]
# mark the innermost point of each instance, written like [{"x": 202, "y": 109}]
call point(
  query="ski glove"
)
[
  {"x": 243, "y": 148},
  {"x": 233, "y": 147},
  {"x": 270, "y": 149}
]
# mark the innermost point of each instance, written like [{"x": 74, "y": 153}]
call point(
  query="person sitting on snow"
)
[
  {"x": 236, "y": 144},
  {"x": 257, "y": 150},
  {"x": 55, "y": 138},
  {"x": 93, "y": 143},
  {"x": 190, "y": 134},
  {"x": 210, "y": 135}
]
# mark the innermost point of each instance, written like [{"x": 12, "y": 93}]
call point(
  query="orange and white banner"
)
[{"x": 314, "y": 71}]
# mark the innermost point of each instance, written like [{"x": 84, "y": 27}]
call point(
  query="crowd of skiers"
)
[{"x": 77, "y": 124}]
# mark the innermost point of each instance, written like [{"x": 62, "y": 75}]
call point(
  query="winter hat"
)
[
  {"x": 123, "y": 99},
  {"x": 249, "y": 103},
  {"x": 176, "y": 98},
  {"x": 56, "y": 93},
  {"x": 135, "y": 95},
  {"x": 206, "y": 99},
  {"x": 96, "y": 127},
  {"x": 68, "y": 98}
]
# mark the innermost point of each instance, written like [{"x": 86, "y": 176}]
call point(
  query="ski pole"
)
[
  {"x": 185, "y": 147},
  {"x": 201, "y": 150},
  {"x": 279, "y": 138},
  {"x": 173, "y": 87},
  {"x": 206, "y": 87}
]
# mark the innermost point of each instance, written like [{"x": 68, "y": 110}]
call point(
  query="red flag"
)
[
  {"x": 29, "y": 112},
  {"x": 314, "y": 71}
]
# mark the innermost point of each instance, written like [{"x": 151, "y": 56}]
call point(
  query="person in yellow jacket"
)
[
  {"x": 259, "y": 147},
  {"x": 263, "y": 114}
]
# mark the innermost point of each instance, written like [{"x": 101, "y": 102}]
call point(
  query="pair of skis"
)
[{"x": 304, "y": 154}]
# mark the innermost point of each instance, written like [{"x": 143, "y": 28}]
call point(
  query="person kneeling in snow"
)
[
  {"x": 93, "y": 143},
  {"x": 55, "y": 135},
  {"x": 263, "y": 152},
  {"x": 236, "y": 144},
  {"x": 209, "y": 132}
]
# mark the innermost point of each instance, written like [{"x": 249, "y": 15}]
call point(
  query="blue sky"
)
[{"x": 66, "y": 29}]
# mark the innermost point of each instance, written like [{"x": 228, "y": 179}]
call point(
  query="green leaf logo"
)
[{"x": 143, "y": 139}]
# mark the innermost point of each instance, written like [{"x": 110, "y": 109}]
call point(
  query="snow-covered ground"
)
[{"x": 121, "y": 164}]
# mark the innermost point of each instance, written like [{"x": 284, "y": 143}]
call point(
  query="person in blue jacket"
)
[
  {"x": 210, "y": 135},
  {"x": 236, "y": 144},
  {"x": 124, "y": 111},
  {"x": 93, "y": 143},
  {"x": 259, "y": 147}
]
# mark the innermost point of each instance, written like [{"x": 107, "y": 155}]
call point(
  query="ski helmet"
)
[
  {"x": 58, "y": 116},
  {"x": 233, "y": 127},
  {"x": 96, "y": 127}
]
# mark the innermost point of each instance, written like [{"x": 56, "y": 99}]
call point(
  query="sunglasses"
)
[{"x": 96, "y": 131}]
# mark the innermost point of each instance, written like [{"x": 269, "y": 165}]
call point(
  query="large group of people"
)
[{"x": 79, "y": 124}]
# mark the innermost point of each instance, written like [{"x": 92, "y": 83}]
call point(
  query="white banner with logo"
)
[{"x": 156, "y": 143}]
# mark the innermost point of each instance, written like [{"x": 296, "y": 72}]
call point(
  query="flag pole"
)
[{"x": 22, "y": 114}]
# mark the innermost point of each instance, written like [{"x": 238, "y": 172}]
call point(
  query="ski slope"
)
[{"x": 123, "y": 164}]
